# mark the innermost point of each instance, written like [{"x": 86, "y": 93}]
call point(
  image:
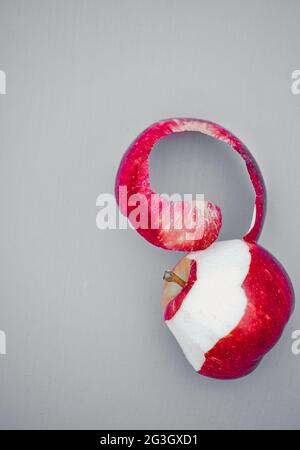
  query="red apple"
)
[
  {"x": 226, "y": 302},
  {"x": 227, "y": 306}
]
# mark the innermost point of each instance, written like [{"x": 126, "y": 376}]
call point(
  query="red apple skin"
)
[
  {"x": 174, "y": 305},
  {"x": 134, "y": 174},
  {"x": 270, "y": 301}
]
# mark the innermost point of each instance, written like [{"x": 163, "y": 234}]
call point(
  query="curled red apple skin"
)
[
  {"x": 194, "y": 235},
  {"x": 227, "y": 317}
]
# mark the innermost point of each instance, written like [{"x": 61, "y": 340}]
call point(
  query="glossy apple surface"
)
[
  {"x": 133, "y": 173},
  {"x": 231, "y": 311}
]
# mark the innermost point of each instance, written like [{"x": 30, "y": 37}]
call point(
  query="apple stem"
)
[{"x": 173, "y": 277}]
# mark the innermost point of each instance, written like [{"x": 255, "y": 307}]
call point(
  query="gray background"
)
[{"x": 86, "y": 344}]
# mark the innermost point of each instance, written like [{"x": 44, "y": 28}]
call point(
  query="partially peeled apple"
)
[
  {"x": 227, "y": 306},
  {"x": 226, "y": 302}
]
